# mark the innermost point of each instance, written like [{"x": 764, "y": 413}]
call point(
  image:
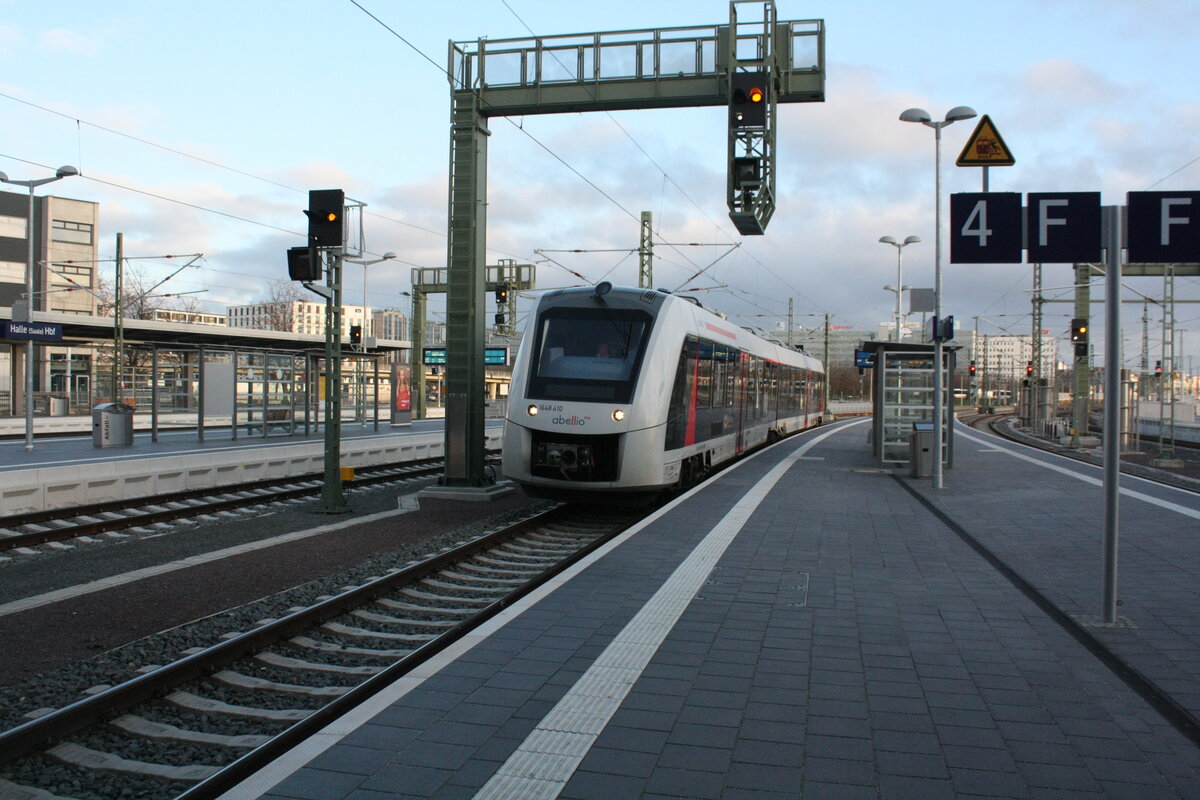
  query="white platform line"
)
[
  {"x": 265, "y": 779},
  {"x": 541, "y": 766},
  {"x": 1079, "y": 476}
]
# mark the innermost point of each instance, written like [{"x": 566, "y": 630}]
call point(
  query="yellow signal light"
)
[
  {"x": 756, "y": 95},
  {"x": 331, "y": 216}
]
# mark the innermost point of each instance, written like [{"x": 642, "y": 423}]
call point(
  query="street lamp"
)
[
  {"x": 388, "y": 256},
  {"x": 899, "y": 272},
  {"x": 64, "y": 171},
  {"x": 922, "y": 116},
  {"x": 360, "y": 410}
]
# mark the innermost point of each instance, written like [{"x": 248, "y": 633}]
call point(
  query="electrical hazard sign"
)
[{"x": 986, "y": 148}]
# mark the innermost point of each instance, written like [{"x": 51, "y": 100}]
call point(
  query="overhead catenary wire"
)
[{"x": 79, "y": 123}]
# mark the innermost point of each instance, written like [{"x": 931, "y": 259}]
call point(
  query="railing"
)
[{"x": 665, "y": 55}]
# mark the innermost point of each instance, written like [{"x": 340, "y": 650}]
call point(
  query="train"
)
[{"x": 622, "y": 394}]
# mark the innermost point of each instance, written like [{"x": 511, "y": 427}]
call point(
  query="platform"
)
[
  {"x": 810, "y": 625},
  {"x": 69, "y": 470}
]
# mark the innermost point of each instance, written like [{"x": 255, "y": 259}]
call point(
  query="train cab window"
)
[{"x": 591, "y": 355}]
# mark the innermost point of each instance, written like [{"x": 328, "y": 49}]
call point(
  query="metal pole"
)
[
  {"x": 899, "y": 290},
  {"x": 417, "y": 353},
  {"x": 332, "y": 501},
  {"x": 825, "y": 396},
  {"x": 30, "y": 361},
  {"x": 154, "y": 392},
  {"x": 938, "y": 406},
  {"x": 1080, "y": 378},
  {"x": 200, "y": 397},
  {"x": 119, "y": 322},
  {"x": 233, "y": 420},
  {"x": 1112, "y": 415}
]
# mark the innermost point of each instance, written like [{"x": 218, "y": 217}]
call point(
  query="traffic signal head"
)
[
  {"x": 1158, "y": 368},
  {"x": 748, "y": 100},
  {"x": 502, "y": 293},
  {"x": 325, "y": 223},
  {"x": 356, "y": 334},
  {"x": 971, "y": 368},
  {"x": 1029, "y": 368},
  {"x": 746, "y": 171},
  {"x": 302, "y": 266},
  {"x": 1079, "y": 330},
  {"x": 499, "y": 320}
]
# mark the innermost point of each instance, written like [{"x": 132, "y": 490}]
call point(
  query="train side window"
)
[
  {"x": 719, "y": 370},
  {"x": 704, "y": 374}
]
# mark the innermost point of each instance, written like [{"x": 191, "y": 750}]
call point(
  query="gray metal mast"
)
[
  {"x": 1035, "y": 380},
  {"x": 1166, "y": 383},
  {"x": 1079, "y": 375},
  {"x": 646, "y": 253},
  {"x": 464, "y": 450}
]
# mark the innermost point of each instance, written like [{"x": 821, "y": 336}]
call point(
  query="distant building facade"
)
[
  {"x": 389, "y": 323},
  {"x": 1006, "y": 357},
  {"x": 189, "y": 317},
  {"x": 843, "y": 341},
  {"x": 296, "y": 316},
  {"x": 63, "y": 232},
  {"x": 64, "y": 252}
]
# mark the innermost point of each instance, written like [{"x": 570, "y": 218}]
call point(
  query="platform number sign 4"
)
[{"x": 985, "y": 228}]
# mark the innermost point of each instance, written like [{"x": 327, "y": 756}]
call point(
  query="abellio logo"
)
[{"x": 572, "y": 420}]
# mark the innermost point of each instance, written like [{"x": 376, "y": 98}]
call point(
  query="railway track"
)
[
  {"x": 38, "y": 528},
  {"x": 196, "y": 727},
  {"x": 993, "y": 423}
]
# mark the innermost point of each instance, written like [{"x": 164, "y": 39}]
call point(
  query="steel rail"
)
[{"x": 76, "y": 716}]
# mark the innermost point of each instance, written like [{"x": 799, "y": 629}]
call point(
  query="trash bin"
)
[
  {"x": 58, "y": 406},
  {"x": 920, "y": 450},
  {"x": 112, "y": 425}
]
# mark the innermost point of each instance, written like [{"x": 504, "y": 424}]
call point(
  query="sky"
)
[{"x": 200, "y": 128}]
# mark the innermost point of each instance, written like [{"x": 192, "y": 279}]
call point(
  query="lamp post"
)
[
  {"x": 922, "y": 116},
  {"x": 64, "y": 171},
  {"x": 899, "y": 316},
  {"x": 899, "y": 272},
  {"x": 366, "y": 330}
]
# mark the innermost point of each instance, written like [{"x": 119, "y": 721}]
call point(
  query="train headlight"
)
[
  {"x": 532, "y": 410},
  {"x": 619, "y": 414}
]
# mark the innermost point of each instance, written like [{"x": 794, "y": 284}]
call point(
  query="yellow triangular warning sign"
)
[{"x": 985, "y": 148}]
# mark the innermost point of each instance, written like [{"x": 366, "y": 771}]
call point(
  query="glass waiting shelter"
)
[{"x": 903, "y": 397}]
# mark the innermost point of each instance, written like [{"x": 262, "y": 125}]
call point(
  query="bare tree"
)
[
  {"x": 279, "y": 306},
  {"x": 136, "y": 300},
  {"x": 187, "y": 303}
]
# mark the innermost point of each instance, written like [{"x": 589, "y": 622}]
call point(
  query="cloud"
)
[
  {"x": 61, "y": 40},
  {"x": 10, "y": 38},
  {"x": 1059, "y": 88}
]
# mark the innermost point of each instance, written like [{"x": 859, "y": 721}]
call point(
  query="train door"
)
[{"x": 742, "y": 400}]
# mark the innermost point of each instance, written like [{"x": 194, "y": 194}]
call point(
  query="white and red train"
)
[{"x": 622, "y": 391}]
